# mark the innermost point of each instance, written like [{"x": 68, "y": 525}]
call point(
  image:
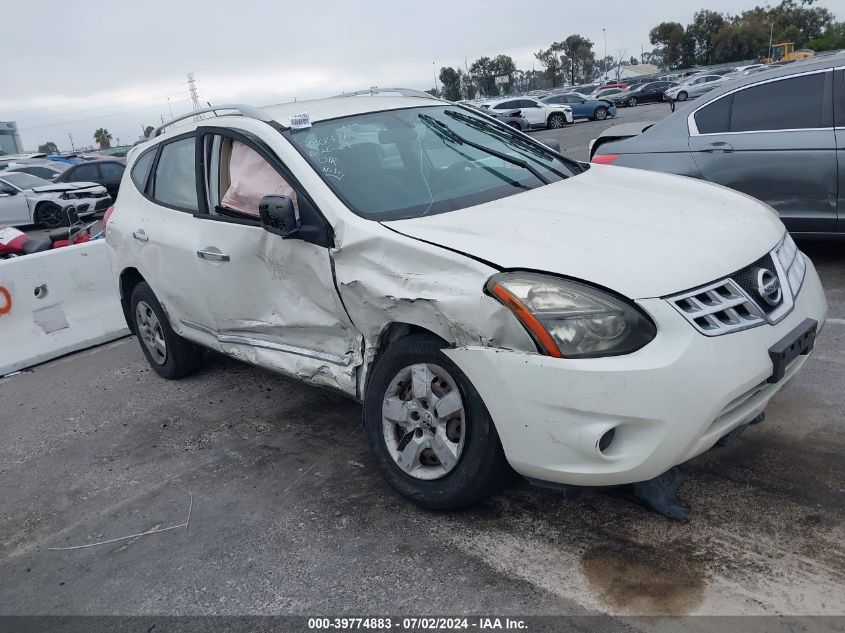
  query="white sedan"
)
[
  {"x": 537, "y": 113},
  {"x": 28, "y": 199}
]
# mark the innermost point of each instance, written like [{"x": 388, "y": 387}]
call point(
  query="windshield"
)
[
  {"x": 422, "y": 161},
  {"x": 25, "y": 181}
]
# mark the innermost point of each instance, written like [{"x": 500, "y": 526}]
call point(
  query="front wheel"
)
[
  {"x": 50, "y": 215},
  {"x": 429, "y": 432},
  {"x": 600, "y": 114},
  {"x": 557, "y": 121},
  {"x": 682, "y": 96},
  {"x": 632, "y": 102},
  {"x": 169, "y": 354}
]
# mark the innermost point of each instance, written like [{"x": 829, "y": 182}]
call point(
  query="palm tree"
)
[{"x": 103, "y": 137}]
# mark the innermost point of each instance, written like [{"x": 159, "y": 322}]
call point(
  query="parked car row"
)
[
  {"x": 27, "y": 199},
  {"x": 778, "y": 136}
]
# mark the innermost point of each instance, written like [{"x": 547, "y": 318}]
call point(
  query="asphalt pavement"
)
[{"x": 288, "y": 515}]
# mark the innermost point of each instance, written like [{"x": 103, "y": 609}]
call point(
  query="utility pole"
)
[
  {"x": 169, "y": 107},
  {"x": 771, "y": 31},
  {"x": 195, "y": 97},
  {"x": 642, "y": 54},
  {"x": 434, "y": 72},
  {"x": 70, "y": 136},
  {"x": 604, "y": 61}
]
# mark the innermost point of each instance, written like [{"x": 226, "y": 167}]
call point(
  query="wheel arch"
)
[
  {"x": 390, "y": 333},
  {"x": 129, "y": 278}
]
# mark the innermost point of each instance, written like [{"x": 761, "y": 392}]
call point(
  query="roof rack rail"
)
[
  {"x": 405, "y": 92},
  {"x": 244, "y": 110}
]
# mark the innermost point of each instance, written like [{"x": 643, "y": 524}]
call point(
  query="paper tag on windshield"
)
[{"x": 300, "y": 121}]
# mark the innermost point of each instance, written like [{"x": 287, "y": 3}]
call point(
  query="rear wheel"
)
[
  {"x": 682, "y": 95},
  {"x": 169, "y": 354},
  {"x": 600, "y": 114},
  {"x": 50, "y": 215},
  {"x": 428, "y": 429},
  {"x": 556, "y": 120}
]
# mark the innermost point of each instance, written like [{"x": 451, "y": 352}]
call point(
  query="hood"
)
[
  {"x": 640, "y": 233},
  {"x": 65, "y": 186}
]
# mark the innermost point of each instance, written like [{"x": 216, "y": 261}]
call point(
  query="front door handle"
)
[
  {"x": 718, "y": 146},
  {"x": 140, "y": 235},
  {"x": 213, "y": 254}
]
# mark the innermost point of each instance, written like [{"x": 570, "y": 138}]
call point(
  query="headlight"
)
[
  {"x": 568, "y": 319},
  {"x": 792, "y": 262},
  {"x": 68, "y": 195}
]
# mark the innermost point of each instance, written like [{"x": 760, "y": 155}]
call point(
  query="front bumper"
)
[{"x": 667, "y": 402}]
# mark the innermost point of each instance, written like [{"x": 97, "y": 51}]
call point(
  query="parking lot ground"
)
[{"x": 290, "y": 516}]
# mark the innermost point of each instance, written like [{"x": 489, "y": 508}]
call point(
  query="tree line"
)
[
  {"x": 717, "y": 38},
  {"x": 710, "y": 38}
]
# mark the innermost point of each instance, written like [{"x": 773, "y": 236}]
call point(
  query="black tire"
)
[
  {"x": 600, "y": 114},
  {"x": 515, "y": 125},
  {"x": 50, "y": 216},
  {"x": 682, "y": 96},
  {"x": 556, "y": 121},
  {"x": 182, "y": 357},
  {"x": 632, "y": 102},
  {"x": 482, "y": 468}
]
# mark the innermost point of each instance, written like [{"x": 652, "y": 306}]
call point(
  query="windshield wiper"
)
[
  {"x": 446, "y": 133},
  {"x": 506, "y": 135}
]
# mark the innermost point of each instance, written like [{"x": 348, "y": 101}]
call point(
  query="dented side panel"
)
[
  {"x": 274, "y": 304},
  {"x": 385, "y": 278}
]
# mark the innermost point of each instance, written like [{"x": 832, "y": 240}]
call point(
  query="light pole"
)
[
  {"x": 434, "y": 72},
  {"x": 771, "y": 30},
  {"x": 604, "y": 61}
]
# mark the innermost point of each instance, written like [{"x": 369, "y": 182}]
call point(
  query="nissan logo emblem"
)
[{"x": 768, "y": 286}]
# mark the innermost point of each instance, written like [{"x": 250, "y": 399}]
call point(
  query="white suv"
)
[
  {"x": 538, "y": 114},
  {"x": 487, "y": 299}
]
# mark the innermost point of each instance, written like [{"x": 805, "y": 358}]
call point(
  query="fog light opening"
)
[{"x": 606, "y": 439}]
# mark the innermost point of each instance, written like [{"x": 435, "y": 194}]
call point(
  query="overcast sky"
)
[{"x": 75, "y": 66}]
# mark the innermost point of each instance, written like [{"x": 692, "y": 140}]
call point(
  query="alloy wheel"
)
[
  {"x": 424, "y": 421},
  {"x": 149, "y": 329}
]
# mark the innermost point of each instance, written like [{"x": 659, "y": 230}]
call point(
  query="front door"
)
[
  {"x": 13, "y": 206},
  {"x": 270, "y": 301},
  {"x": 775, "y": 141}
]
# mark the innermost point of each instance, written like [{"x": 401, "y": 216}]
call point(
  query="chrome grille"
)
[{"x": 733, "y": 303}]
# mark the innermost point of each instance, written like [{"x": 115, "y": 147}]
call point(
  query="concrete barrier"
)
[{"x": 57, "y": 302}]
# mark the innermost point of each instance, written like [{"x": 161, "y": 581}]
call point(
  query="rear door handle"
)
[
  {"x": 140, "y": 235},
  {"x": 719, "y": 146},
  {"x": 213, "y": 254}
]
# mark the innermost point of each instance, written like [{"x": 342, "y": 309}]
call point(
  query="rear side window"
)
[
  {"x": 795, "y": 103},
  {"x": 715, "y": 118},
  {"x": 141, "y": 169},
  {"x": 111, "y": 170},
  {"x": 85, "y": 172},
  {"x": 175, "y": 182}
]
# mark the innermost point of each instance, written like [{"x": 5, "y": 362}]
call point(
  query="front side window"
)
[
  {"x": 794, "y": 103},
  {"x": 422, "y": 161},
  {"x": 243, "y": 178},
  {"x": 41, "y": 172},
  {"x": 175, "y": 177},
  {"x": 507, "y": 105}
]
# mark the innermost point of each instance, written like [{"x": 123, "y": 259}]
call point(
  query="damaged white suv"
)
[{"x": 488, "y": 300}]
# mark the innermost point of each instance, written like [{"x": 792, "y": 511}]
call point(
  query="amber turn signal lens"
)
[{"x": 541, "y": 336}]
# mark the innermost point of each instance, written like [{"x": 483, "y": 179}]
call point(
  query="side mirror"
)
[
  {"x": 9, "y": 191},
  {"x": 551, "y": 143},
  {"x": 278, "y": 215}
]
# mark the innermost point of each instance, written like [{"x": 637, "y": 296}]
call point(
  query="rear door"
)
[
  {"x": 775, "y": 141},
  {"x": 269, "y": 300},
  {"x": 839, "y": 117},
  {"x": 533, "y": 111},
  {"x": 161, "y": 231}
]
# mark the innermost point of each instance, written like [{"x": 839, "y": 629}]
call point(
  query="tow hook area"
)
[
  {"x": 659, "y": 494},
  {"x": 730, "y": 437}
]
